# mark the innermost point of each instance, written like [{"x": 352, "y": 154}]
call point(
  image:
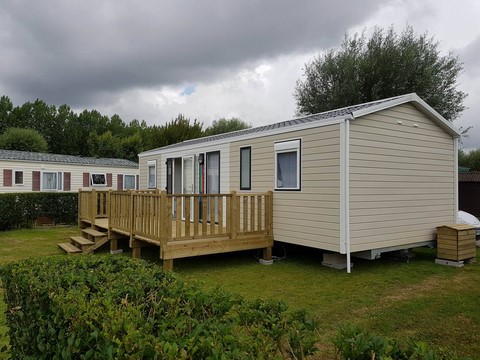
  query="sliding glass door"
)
[
  {"x": 213, "y": 178},
  {"x": 188, "y": 181}
]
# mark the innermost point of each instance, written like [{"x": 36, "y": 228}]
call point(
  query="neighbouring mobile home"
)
[
  {"x": 24, "y": 171},
  {"x": 359, "y": 181}
]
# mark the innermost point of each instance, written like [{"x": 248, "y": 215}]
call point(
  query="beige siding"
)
[
  {"x": 310, "y": 217},
  {"x": 143, "y": 168},
  {"x": 401, "y": 178},
  {"x": 76, "y": 171}
]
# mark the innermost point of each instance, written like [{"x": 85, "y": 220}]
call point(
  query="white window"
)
[
  {"x": 18, "y": 178},
  {"x": 98, "y": 179},
  {"x": 245, "y": 168},
  {"x": 129, "y": 182},
  {"x": 52, "y": 181},
  {"x": 152, "y": 174},
  {"x": 287, "y": 165}
]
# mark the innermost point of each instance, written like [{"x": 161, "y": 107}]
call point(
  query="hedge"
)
[
  {"x": 106, "y": 307},
  {"x": 19, "y": 210}
]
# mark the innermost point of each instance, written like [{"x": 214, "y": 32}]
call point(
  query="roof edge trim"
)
[{"x": 298, "y": 127}]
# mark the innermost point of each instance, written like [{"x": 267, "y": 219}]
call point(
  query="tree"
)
[
  {"x": 383, "y": 66},
  {"x": 173, "y": 132},
  {"x": 470, "y": 160},
  {"x": 23, "y": 140},
  {"x": 104, "y": 145},
  {"x": 223, "y": 125},
  {"x": 6, "y": 107},
  {"x": 131, "y": 146}
]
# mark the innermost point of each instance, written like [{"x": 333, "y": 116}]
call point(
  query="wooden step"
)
[
  {"x": 93, "y": 232},
  {"x": 81, "y": 240},
  {"x": 69, "y": 248}
]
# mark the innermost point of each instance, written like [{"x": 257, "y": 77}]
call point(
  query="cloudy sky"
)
[{"x": 153, "y": 59}]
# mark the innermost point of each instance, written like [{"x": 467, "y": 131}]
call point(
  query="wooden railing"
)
[
  {"x": 120, "y": 211},
  {"x": 156, "y": 216},
  {"x": 93, "y": 204}
]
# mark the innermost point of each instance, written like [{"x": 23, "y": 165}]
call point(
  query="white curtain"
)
[
  {"x": 213, "y": 173},
  {"x": 129, "y": 182},
  {"x": 49, "y": 181},
  {"x": 287, "y": 170},
  {"x": 213, "y": 179},
  {"x": 152, "y": 176}
]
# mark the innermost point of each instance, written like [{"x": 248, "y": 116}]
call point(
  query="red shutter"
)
[
  {"x": 109, "y": 180},
  {"x": 136, "y": 182},
  {"x": 35, "y": 180},
  {"x": 7, "y": 177},
  {"x": 86, "y": 179},
  {"x": 119, "y": 182},
  {"x": 66, "y": 181}
]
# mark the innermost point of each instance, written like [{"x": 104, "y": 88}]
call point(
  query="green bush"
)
[
  {"x": 106, "y": 307},
  {"x": 353, "y": 344},
  {"x": 19, "y": 210}
]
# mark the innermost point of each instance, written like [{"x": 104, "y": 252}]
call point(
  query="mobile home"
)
[
  {"x": 359, "y": 181},
  {"x": 24, "y": 171}
]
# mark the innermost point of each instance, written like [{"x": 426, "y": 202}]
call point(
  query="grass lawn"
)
[{"x": 419, "y": 299}]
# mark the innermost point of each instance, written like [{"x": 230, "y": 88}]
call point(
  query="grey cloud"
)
[
  {"x": 77, "y": 52},
  {"x": 469, "y": 56}
]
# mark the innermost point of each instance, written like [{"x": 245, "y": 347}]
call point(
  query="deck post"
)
[
  {"x": 269, "y": 214},
  {"x": 113, "y": 244},
  {"x": 163, "y": 218},
  {"x": 233, "y": 216},
  {"x": 109, "y": 211},
  {"x": 131, "y": 213},
  {"x": 79, "y": 209},
  {"x": 134, "y": 243},
  {"x": 267, "y": 253},
  {"x": 136, "y": 252},
  {"x": 107, "y": 203},
  {"x": 168, "y": 265},
  {"x": 93, "y": 207},
  {"x": 113, "y": 241}
]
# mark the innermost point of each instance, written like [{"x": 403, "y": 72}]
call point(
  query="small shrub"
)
[
  {"x": 107, "y": 307},
  {"x": 353, "y": 344}
]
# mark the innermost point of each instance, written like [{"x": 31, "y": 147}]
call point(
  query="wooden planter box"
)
[{"x": 456, "y": 242}]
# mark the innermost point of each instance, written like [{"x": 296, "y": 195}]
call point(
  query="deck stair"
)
[
  {"x": 69, "y": 248},
  {"x": 81, "y": 242},
  {"x": 90, "y": 241}
]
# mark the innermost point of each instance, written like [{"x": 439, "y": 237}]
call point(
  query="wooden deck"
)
[{"x": 182, "y": 225}]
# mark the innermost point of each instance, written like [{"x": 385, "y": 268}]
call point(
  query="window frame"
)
[
  {"x": 14, "y": 180},
  {"x": 289, "y": 146},
  {"x": 92, "y": 174},
  {"x": 58, "y": 180},
  {"x": 152, "y": 163},
  {"x": 134, "y": 181},
  {"x": 249, "y": 187}
]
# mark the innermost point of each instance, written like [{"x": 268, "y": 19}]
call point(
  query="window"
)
[
  {"x": 18, "y": 177},
  {"x": 129, "y": 182},
  {"x": 152, "y": 174},
  {"x": 246, "y": 168},
  {"x": 98, "y": 179},
  {"x": 52, "y": 181},
  {"x": 287, "y": 165}
]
